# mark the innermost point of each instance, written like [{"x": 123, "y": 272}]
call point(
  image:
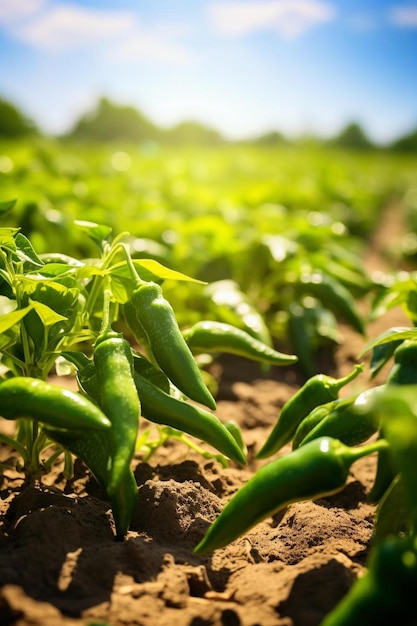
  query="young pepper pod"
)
[
  {"x": 386, "y": 593},
  {"x": 333, "y": 295},
  {"x": 404, "y": 370},
  {"x": 315, "y": 470},
  {"x": 397, "y": 408},
  {"x": 353, "y": 422},
  {"x": 319, "y": 389},
  {"x": 316, "y": 416},
  {"x": 161, "y": 408},
  {"x": 49, "y": 404},
  {"x": 211, "y": 336},
  {"x": 384, "y": 476},
  {"x": 118, "y": 399},
  {"x": 155, "y": 320}
]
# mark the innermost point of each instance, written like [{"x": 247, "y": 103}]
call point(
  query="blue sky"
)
[{"x": 242, "y": 66}]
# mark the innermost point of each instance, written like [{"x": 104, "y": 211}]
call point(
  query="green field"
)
[{"x": 265, "y": 218}]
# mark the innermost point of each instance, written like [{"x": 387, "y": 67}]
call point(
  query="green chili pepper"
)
[
  {"x": 236, "y": 432},
  {"x": 320, "y": 468},
  {"x": 385, "y": 474},
  {"x": 210, "y": 336},
  {"x": 300, "y": 336},
  {"x": 160, "y": 407},
  {"x": 397, "y": 408},
  {"x": 313, "y": 418},
  {"x": 404, "y": 370},
  {"x": 118, "y": 399},
  {"x": 155, "y": 319},
  {"x": 353, "y": 422},
  {"x": 317, "y": 390},
  {"x": 386, "y": 593},
  {"x": 49, "y": 404},
  {"x": 139, "y": 334},
  {"x": 234, "y": 307},
  {"x": 392, "y": 515},
  {"x": 333, "y": 295},
  {"x": 95, "y": 449}
]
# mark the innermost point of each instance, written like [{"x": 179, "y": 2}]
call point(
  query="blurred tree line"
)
[
  {"x": 13, "y": 123},
  {"x": 110, "y": 122}
]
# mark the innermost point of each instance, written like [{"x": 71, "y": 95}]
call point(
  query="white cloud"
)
[
  {"x": 290, "y": 18},
  {"x": 149, "y": 47},
  {"x": 65, "y": 26},
  {"x": 405, "y": 16},
  {"x": 12, "y": 10}
]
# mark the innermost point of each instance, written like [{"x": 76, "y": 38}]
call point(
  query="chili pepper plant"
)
[
  {"x": 106, "y": 321},
  {"x": 329, "y": 434}
]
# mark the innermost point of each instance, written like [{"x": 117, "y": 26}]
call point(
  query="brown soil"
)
[{"x": 60, "y": 565}]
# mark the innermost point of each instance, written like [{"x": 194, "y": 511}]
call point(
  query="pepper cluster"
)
[
  {"x": 121, "y": 385},
  {"x": 326, "y": 431}
]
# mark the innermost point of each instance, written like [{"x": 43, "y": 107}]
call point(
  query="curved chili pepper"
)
[
  {"x": 333, "y": 295},
  {"x": 385, "y": 474},
  {"x": 397, "y": 408},
  {"x": 386, "y": 593},
  {"x": 404, "y": 370},
  {"x": 118, "y": 399},
  {"x": 95, "y": 449},
  {"x": 49, "y": 404},
  {"x": 315, "y": 417},
  {"x": 210, "y": 336},
  {"x": 235, "y": 430},
  {"x": 155, "y": 319},
  {"x": 234, "y": 306},
  {"x": 353, "y": 422},
  {"x": 317, "y": 390},
  {"x": 160, "y": 407},
  {"x": 300, "y": 338},
  {"x": 320, "y": 468}
]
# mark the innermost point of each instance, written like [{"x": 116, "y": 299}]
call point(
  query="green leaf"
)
[
  {"x": 121, "y": 288},
  {"x": 89, "y": 271},
  {"x": 79, "y": 359},
  {"x": 48, "y": 316},
  {"x": 97, "y": 232},
  {"x": 7, "y": 236},
  {"x": 60, "y": 259},
  {"x": 381, "y": 355},
  {"x": 122, "y": 283},
  {"x": 6, "y": 206},
  {"x": 10, "y": 319},
  {"x": 397, "y": 294},
  {"x": 411, "y": 304},
  {"x": 159, "y": 271},
  {"x": 396, "y": 333},
  {"x": 58, "y": 270},
  {"x": 26, "y": 253}
]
